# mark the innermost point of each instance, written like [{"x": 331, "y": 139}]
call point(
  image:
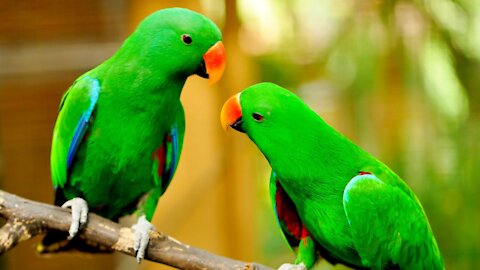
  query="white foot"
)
[
  {"x": 289, "y": 266},
  {"x": 141, "y": 237},
  {"x": 79, "y": 215}
]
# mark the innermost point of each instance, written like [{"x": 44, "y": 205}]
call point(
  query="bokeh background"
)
[{"x": 400, "y": 78}]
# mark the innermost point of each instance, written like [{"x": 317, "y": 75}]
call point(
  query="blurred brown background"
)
[{"x": 400, "y": 78}]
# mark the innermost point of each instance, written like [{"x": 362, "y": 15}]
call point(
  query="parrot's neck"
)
[
  {"x": 129, "y": 87},
  {"x": 135, "y": 77},
  {"x": 317, "y": 153}
]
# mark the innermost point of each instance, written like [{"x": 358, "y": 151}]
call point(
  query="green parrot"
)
[
  {"x": 331, "y": 197},
  {"x": 119, "y": 132}
]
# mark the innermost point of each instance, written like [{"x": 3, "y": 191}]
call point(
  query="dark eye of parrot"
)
[
  {"x": 187, "y": 39},
  {"x": 258, "y": 117}
]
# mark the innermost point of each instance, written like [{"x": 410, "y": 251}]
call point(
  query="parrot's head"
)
[
  {"x": 179, "y": 42},
  {"x": 275, "y": 119}
]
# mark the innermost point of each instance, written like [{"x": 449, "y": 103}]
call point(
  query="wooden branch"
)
[{"x": 26, "y": 219}]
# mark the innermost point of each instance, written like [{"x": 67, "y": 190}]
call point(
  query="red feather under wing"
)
[
  {"x": 167, "y": 157},
  {"x": 287, "y": 215},
  {"x": 159, "y": 155}
]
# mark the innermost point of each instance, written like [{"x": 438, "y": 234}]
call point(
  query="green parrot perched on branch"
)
[
  {"x": 330, "y": 196},
  {"x": 119, "y": 132}
]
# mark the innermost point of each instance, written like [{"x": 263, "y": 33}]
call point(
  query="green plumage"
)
[
  {"x": 127, "y": 152},
  {"x": 356, "y": 210}
]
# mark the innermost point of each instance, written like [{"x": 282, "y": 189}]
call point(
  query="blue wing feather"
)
[
  {"x": 83, "y": 122},
  {"x": 80, "y": 131},
  {"x": 175, "y": 151},
  {"x": 172, "y": 153},
  {"x": 166, "y": 158}
]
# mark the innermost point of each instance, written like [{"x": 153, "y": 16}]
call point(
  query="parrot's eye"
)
[
  {"x": 258, "y": 117},
  {"x": 187, "y": 39}
]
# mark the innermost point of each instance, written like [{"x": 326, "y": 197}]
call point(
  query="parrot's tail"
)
[{"x": 56, "y": 241}]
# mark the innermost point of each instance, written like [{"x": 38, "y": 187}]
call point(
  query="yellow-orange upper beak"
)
[
  {"x": 231, "y": 111},
  {"x": 214, "y": 60}
]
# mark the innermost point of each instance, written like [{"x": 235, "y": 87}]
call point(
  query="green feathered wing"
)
[
  {"x": 75, "y": 113},
  {"x": 378, "y": 212}
]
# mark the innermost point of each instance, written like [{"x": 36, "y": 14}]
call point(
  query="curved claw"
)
[
  {"x": 79, "y": 215},
  {"x": 141, "y": 237},
  {"x": 289, "y": 266}
]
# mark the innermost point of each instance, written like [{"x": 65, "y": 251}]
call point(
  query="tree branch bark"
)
[{"x": 26, "y": 219}]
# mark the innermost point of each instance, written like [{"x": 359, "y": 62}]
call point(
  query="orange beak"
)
[
  {"x": 214, "y": 60},
  {"x": 231, "y": 112}
]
